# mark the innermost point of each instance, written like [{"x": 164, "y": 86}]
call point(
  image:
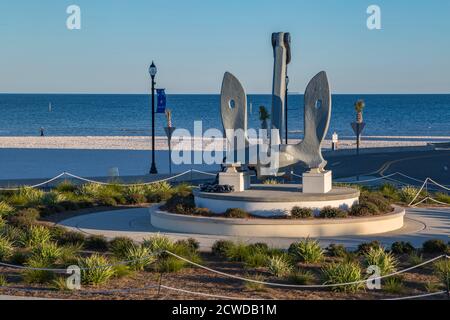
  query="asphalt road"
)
[{"x": 417, "y": 164}]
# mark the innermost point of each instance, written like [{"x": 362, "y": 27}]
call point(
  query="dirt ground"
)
[{"x": 145, "y": 285}]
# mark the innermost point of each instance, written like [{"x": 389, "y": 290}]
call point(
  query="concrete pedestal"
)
[
  {"x": 239, "y": 180},
  {"x": 317, "y": 182}
]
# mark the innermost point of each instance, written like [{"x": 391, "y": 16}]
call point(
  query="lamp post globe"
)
[{"x": 152, "y": 70}]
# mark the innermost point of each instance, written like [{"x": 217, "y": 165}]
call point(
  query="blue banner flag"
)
[{"x": 161, "y": 100}]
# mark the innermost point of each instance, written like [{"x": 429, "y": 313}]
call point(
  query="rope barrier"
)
[
  {"x": 418, "y": 296},
  {"x": 304, "y": 286},
  {"x": 68, "y": 174}
]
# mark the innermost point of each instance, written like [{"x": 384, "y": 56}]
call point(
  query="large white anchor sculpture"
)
[{"x": 317, "y": 112}]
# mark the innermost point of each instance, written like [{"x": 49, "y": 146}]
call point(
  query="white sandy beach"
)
[{"x": 144, "y": 142}]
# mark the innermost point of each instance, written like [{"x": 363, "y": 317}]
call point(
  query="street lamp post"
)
[
  {"x": 286, "y": 110},
  {"x": 153, "y": 70}
]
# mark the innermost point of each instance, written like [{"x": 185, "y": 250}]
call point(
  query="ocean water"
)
[{"x": 129, "y": 115}]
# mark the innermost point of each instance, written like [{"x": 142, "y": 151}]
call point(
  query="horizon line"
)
[{"x": 191, "y": 93}]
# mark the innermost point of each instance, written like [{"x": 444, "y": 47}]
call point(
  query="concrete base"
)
[
  {"x": 279, "y": 228},
  {"x": 275, "y": 200},
  {"x": 239, "y": 180},
  {"x": 317, "y": 182}
]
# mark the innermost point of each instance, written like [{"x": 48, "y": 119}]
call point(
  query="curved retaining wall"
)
[{"x": 279, "y": 227}]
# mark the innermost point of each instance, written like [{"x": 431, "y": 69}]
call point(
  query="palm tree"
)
[
  {"x": 263, "y": 117},
  {"x": 359, "y": 107}
]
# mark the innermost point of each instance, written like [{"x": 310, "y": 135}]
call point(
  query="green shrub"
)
[
  {"x": 170, "y": 264},
  {"x": 121, "y": 271},
  {"x": 402, "y": 247},
  {"x": 344, "y": 272},
  {"x": 259, "y": 247},
  {"x": 307, "y": 250},
  {"x": 38, "y": 276},
  {"x": 393, "y": 285},
  {"x": 6, "y": 209},
  {"x": 414, "y": 259},
  {"x": 191, "y": 243},
  {"x": 95, "y": 269},
  {"x": 53, "y": 198},
  {"x": 434, "y": 246},
  {"x": 377, "y": 200},
  {"x": 3, "y": 281},
  {"x": 96, "y": 242},
  {"x": 27, "y": 197},
  {"x": 279, "y": 266},
  {"x": 238, "y": 252},
  {"x": 236, "y": 213},
  {"x": 389, "y": 191},
  {"x": 256, "y": 259},
  {"x": 24, "y": 218},
  {"x": 363, "y": 210},
  {"x": 158, "y": 242},
  {"x": 135, "y": 194},
  {"x": 6, "y": 248},
  {"x": 301, "y": 277},
  {"x": 19, "y": 257},
  {"x": 336, "y": 250},
  {"x": 47, "y": 252},
  {"x": 70, "y": 254},
  {"x": 205, "y": 212},
  {"x": 66, "y": 186},
  {"x": 255, "y": 286},
  {"x": 220, "y": 247},
  {"x": 36, "y": 235},
  {"x": 301, "y": 213},
  {"x": 382, "y": 259},
  {"x": 138, "y": 257},
  {"x": 442, "y": 270},
  {"x": 181, "y": 203},
  {"x": 331, "y": 213},
  {"x": 64, "y": 237},
  {"x": 408, "y": 193},
  {"x": 161, "y": 191},
  {"x": 365, "y": 247},
  {"x": 120, "y": 245},
  {"x": 13, "y": 234},
  {"x": 442, "y": 197}
]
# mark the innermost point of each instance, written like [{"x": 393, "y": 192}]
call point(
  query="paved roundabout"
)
[{"x": 420, "y": 225}]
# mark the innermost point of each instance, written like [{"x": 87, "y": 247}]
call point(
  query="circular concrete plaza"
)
[{"x": 420, "y": 224}]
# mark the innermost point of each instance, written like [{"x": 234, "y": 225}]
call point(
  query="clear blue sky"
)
[{"x": 194, "y": 42}]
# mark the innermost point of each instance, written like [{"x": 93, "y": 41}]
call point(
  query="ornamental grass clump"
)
[
  {"x": 36, "y": 271},
  {"x": 389, "y": 191},
  {"x": 307, "y": 251},
  {"x": 442, "y": 270},
  {"x": 6, "y": 209},
  {"x": 120, "y": 245},
  {"x": 27, "y": 197},
  {"x": 36, "y": 235},
  {"x": 442, "y": 197},
  {"x": 95, "y": 270},
  {"x": 236, "y": 213},
  {"x": 385, "y": 261},
  {"x": 408, "y": 193},
  {"x": 159, "y": 243},
  {"x": 279, "y": 266},
  {"x": 301, "y": 277},
  {"x": 220, "y": 247},
  {"x": 138, "y": 257},
  {"x": 343, "y": 272},
  {"x": 6, "y": 248},
  {"x": 238, "y": 252}
]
